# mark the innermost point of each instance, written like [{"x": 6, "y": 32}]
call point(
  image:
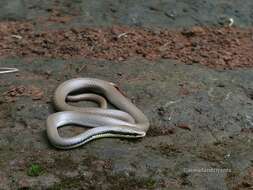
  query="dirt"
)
[
  {"x": 213, "y": 47},
  {"x": 178, "y": 61}
]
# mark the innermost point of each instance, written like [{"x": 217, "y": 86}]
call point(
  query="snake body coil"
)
[{"x": 128, "y": 121}]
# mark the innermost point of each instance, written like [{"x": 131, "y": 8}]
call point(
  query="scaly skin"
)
[
  {"x": 127, "y": 122},
  {"x": 4, "y": 70}
]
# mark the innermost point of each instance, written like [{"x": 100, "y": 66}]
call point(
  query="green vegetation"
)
[{"x": 34, "y": 170}]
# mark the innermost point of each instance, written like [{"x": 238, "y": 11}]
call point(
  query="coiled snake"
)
[{"x": 127, "y": 122}]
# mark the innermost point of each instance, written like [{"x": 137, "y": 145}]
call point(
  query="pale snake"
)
[{"x": 126, "y": 121}]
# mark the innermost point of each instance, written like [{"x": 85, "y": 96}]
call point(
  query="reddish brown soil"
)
[
  {"x": 213, "y": 47},
  {"x": 16, "y": 91}
]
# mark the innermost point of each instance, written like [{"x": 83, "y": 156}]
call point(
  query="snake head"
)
[{"x": 118, "y": 88}]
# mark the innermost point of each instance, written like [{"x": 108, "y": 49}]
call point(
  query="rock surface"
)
[
  {"x": 200, "y": 118},
  {"x": 165, "y": 13},
  {"x": 201, "y": 134}
]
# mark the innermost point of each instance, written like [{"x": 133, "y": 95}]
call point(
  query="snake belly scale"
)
[{"x": 127, "y": 121}]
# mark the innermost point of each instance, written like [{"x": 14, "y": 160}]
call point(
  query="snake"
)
[
  {"x": 123, "y": 120},
  {"x": 4, "y": 70}
]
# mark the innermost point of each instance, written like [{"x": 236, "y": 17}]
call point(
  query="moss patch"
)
[
  {"x": 64, "y": 163},
  {"x": 106, "y": 181},
  {"x": 68, "y": 183},
  {"x": 168, "y": 149},
  {"x": 35, "y": 170}
]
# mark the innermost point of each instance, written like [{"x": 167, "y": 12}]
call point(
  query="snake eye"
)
[{"x": 119, "y": 89}]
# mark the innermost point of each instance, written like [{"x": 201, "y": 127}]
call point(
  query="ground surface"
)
[{"x": 195, "y": 84}]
